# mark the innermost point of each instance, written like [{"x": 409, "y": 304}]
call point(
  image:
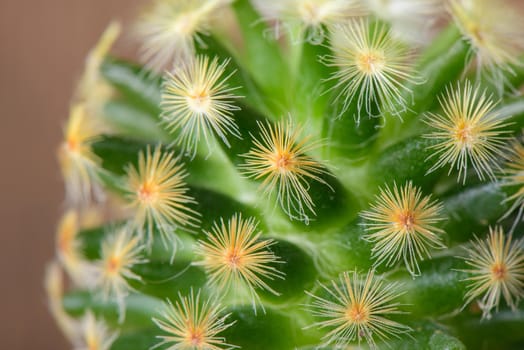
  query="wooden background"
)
[{"x": 42, "y": 49}]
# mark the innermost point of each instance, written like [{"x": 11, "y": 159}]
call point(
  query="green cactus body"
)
[{"x": 302, "y": 178}]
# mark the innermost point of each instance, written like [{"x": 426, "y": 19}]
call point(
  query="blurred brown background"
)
[{"x": 42, "y": 49}]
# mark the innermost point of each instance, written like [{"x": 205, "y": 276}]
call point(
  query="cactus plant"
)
[{"x": 299, "y": 174}]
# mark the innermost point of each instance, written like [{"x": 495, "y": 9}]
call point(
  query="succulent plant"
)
[{"x": 298, "y": 174}]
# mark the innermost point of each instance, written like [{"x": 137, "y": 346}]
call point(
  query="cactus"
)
[{"x": 297, "y": 174}]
